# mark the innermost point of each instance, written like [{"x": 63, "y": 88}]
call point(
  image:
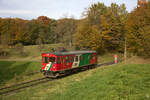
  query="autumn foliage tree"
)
[
  {"x": 104, "y": 28},
  {"x": 138, "y": 31},
  {"x": 90, "y": 37},
  {"x": 27, "y": 32}
]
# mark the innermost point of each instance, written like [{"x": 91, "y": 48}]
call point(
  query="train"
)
[{"x": 56, "y": 63}]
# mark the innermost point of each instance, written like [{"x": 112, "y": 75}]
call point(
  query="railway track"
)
[
  {"x": 105, "y": 64},
  {"x": 32, "y": 73},
  {"x": 23, "y": 85},
  {"x": 16, "y": 87}
]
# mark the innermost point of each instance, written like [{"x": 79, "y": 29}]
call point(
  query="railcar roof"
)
[{"x": 70, "y": 52}]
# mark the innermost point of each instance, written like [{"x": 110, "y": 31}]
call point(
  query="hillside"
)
[
  {"x": 117, "y": 82},
  {"x": 31, "y": 52}
]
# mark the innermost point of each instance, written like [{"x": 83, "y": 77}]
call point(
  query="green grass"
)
[
  {"x": 117, "y": 82},
  {"x": 11, "y": 71},
  {"x": 34, "y": 50},
  {"x": 31, "y": 52}
]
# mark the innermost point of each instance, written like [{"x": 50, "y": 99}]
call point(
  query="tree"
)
[
  {"x": 108, "y": 25},
  {"x": 65, "y": 29},
  {"x": 88, "y": 36},
  {"x": 138, "y": 33}
]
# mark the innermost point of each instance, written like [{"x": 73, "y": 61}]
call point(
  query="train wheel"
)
[{"x": 57, "y": 75}]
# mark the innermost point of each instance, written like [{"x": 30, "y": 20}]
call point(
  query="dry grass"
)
[{"x": 138, "y": 60}]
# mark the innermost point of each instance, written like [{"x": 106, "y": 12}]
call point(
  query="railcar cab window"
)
[
  {"x": 67, "y": 59},
  {"x": 52, "y": 59},
  {"x": 45, "y": 59}
]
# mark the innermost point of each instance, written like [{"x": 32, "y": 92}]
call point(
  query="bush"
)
[{"x": 20, "y": 48}]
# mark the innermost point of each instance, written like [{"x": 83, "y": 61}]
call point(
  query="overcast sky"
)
[{"x": 29, "y": 9}]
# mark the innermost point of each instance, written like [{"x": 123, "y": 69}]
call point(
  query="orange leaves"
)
[{"x": 44, "y": 20}]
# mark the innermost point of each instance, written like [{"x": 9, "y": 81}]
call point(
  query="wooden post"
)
[{"x": 125, "y": 50}]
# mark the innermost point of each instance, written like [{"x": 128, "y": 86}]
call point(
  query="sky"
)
[{"x": 56, "y": 9}]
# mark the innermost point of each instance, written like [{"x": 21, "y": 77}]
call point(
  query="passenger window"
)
[
  {"x": 67, "y": 59},
  {"x": 92, "y": 56},
  {"x": 63, "y": 60},
  {"x": 58, "y": 60},
  {"x": 89, "y": 56},
  {"x": 83, "y": 58},
  {"x": 80, "y": 58},
  {"x": 76, "y": 58},
  {"x": 95, "y": 57},
  {"x": 72, "y": 59}
]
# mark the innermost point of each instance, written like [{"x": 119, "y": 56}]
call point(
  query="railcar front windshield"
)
[
  {"x": 45, "y": 59},
  {"x": 52, "y": 59},
  {"x": 48, "y": 59}
]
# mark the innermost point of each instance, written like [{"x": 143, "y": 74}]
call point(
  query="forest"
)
[{"x": 102, "y": 28}]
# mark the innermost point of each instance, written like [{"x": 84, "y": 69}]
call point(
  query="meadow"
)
[
  {"x": 115, "y": 82},
  {"x": 123, "y": 81}
]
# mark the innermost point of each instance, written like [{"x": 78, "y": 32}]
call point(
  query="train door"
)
[
  {"x": 58, "y": 63},
  {"x": 76, "y": 61},
  {"x": 63, "y": 62}
]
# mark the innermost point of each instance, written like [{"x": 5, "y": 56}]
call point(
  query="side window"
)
[
  {"x": 89, "y": 56},
  {"x": 67, "y": 59},
  {"x": 76, "y": 58},
  {"x": 83, "y": 58},
  {"x": 72, "y": 59},
  {"x": 62, "y": 60},
  {"x": 58, "y": 60},
  {"x": 92, "y": 56},
  {"x": 95, "y": 57}
]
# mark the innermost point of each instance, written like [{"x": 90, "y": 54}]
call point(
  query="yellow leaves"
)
[
  {"x": 138, "y": 31},
  {"x": 88, "y": 36}
]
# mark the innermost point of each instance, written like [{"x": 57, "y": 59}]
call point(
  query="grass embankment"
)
[
  {"x": 12, "y": 72},
  {"x": 31, "y": 52},
  {"x": 16, "y": 71},
  {"x": 117, "y": 82}
]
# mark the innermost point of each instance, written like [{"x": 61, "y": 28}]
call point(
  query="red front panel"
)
[{"x": 44, "y": 64}]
